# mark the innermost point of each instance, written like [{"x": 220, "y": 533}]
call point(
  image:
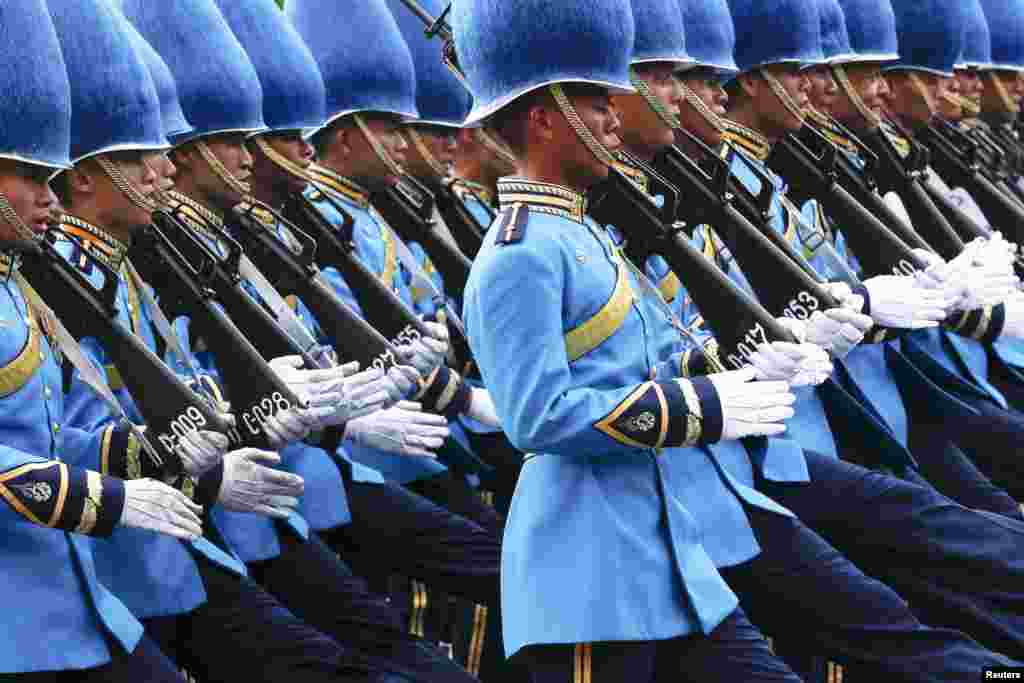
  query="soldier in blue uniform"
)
[
  {"x": 62, "y": 624},
  {"x": 573, "y": 345},
  {"x": 196, "y": 599}
]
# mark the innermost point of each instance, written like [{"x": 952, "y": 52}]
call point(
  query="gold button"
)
[{"x": 56, "y": 427}]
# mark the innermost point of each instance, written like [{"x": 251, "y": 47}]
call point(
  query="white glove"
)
[
  {"x": 200, "y": 450},
  {"x": 751, "y": 408},
  {"x": 249, "y": 485},
  {"x": 797, "y": 364},
  {"x": 155, "y": 506},
  {"x": 403, "y": 429},
  {"x": 424, "y": 354},
  {"x": 481, "y": 408},
  {"x": 837, "y": 330},
  {"x": 983, "y": 286},
  {"x": 900, "y": 301},
  {"x": 293, "y": 425},
  {"x": 405, "y": 380},
  {"x": 1013, "y": 327},
  {"x": 315, "y": 387},
  {"x": 351, "y": 394}
]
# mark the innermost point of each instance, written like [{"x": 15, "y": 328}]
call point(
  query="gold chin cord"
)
[
  {"x": 243, "y": 189},
  {"x": 922, "y": 91},
  {"x": 280, "y": 160},
  {"x": 11, "y": 217},
  {"x": 846, "y": 85},
  {"x": 436, "y": 166},
  {"x": 576, "y": 123},
  {"x": 698, "y": 105},
  {"x": 787, "y": 101},
  {"x": 127, "y": 188},
  {"x": 495, "y": 145},
  {"x": 378, "y": 148},
  {"x": 656, "y": 104},
  {"x": 1012, "y": 106}
]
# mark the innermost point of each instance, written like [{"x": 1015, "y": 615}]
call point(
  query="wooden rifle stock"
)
[
  {"x": 879, "y": 250},
  {"x": 295, "y": 273},
  {"x": 408, "y": 208},
  {"x": 774, "y": 270},
  {"x": 255, "y": 390},
  {"x": 169, "y": 407},
  {"x": 738, "y": 322}
]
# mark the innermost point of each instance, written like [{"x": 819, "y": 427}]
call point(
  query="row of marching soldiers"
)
[{"x": 600, "y": 340}]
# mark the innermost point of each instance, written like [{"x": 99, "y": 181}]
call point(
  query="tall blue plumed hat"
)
[
  {"x": 217, "y": 84},
  {"x": 977, "y": 47},
  {"x": 930, "y": 34},
  {"x": 710, "y": 34},
  {"x": 659, "y": 35},
  {"x": 871, "y": 28},
  {"x": 835, "y": 40},
  {"x": 776, "y": 31},
  {"x": 440, "y": 98},
  {"x": 173, "y": 118},
  {"x": 1006, "y": 33},
  {"x": 35, "y": 119},
  {"x": 293, "y": 90},
  {"x": 364, "y": 61},
  {"x": 508, "y": 49},
  {"x": 114, "y": 104}
]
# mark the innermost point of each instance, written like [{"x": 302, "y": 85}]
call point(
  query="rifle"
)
[
  {"x": 169, "y": 407},
  {"x": 408, "y": 207},
  {"x": 784, "y": 283},
  {"x": 739, "y": 323},
  {"x": 255, "y": 389},
  {"x": 879, "y": 249},
  {"x": 467, "y": 231},
  {"x": 294, "y": 272}
]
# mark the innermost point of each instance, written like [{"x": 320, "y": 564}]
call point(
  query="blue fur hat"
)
[
  {"x": 293, "y": 90},
  {"x": 1006, "y": 33},
  {"x": 365, "y": 63},
  {"x": 871, "y": 28},
  {"x": 35, "y": 119},
  {"x": 508, "y": 49},
  {"x": 977, "y": 48},
  {"x": 659, "y": 32},
  {"x": 835, "y": 41},
  {"x": 114, "y": 105},
  {"x": 440, "y": 98},
  {"x": 174, "y": 121},
  {"x": 930, "y": 33},
  {"x": 776, "y": 31},
  {"x": 218, "y": 87},
  {"x": 710, "y": 34}
]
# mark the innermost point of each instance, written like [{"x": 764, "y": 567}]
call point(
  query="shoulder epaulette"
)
[{"x": 511, "y": 224}]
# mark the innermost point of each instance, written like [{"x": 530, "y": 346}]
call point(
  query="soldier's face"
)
[
  {"x": 970, "y": 85},
  {"x": 165, "y": 171},
  {"x": 823, "y": 91},
  {"x": 26, "y": 189},
  {"x": 905, "y": 100},
  {"x": 870, "y": 85},
  {"x": 1013, "y": 85},
  {"x": 794, "y": 81},
  {"x": 441, "y": 142},
  {"x": 642, "y": 128},
  {"x": 950, "y": 109},
  {"x": 387, "y": 129},
  {"x": 601, "y": 118},
  {"x": 138, "y": 170},
  {"x": 294, "y": 149},
  {"x": 705, "y": 85}
]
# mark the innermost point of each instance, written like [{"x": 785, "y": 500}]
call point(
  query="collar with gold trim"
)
[
  {"x": 8, "y": 264},
  {"x": 467, "y": 188},
  {"x": 895, "y": 136},
  {"x": 199, "y": 217},
  {"x": 750, "y": 141},
  {"x": 346, "y": 188},
  {"x": 542, "y": 197},
  {"x": 825, "y": 125},
  {"x": 628, "y": 166},
  {"x": 100, "y": 243}
]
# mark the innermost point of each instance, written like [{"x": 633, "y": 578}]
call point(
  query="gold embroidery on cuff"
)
[
  {"x": 981, "y": 330},
  {"x": 694, "y": 415},
  {"x": 92, "y": 504},
  {"x": 132, "y": 459}
]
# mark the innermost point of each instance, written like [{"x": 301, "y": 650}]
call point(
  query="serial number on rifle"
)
[
  {"x": 744, "y": 349},
  {"x": 387, "y": 360},
  {"x": 258, "y": 413},
  {"x": 188, "y": 422},
  {"x": 801, "y": 307},
  {"x": 904, "y": 267}
]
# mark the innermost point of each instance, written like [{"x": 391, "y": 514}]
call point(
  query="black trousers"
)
[
  {"x": 317, "y": 586},
  {"x": 242, "y": 633},
  {"x": 735, "y": 651},
  {"x": 146, "y": 663},
  {"x": 959, "y": 567},
  {"x": 802, "y": 588}
]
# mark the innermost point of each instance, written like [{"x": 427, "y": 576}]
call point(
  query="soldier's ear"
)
[
  {"x": 539, "y": 121},
  {"x": 341, "y": 139},
  {"x": 79, "y": 181},
  {"x": 750, "y": 83}
]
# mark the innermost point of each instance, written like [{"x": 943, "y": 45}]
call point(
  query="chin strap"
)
[
  {"x": 968, "y": 107},
  {"x": 698, "y": 105},
  {"x": 498, "y": 147},
  {"x": 11, "y": 217},
  {"x": 436, "y": 166},
  {"x": 788, "y": 102},
  {"x": 280, "y": 160},
  {"x": 242, "y": 189},
  {"x": 846, "y": 85},
  {"x": 918, "y": 86},
  {"x": 576, "y": 123},
  {"x": 378, "y": 148},
  {"x": 656, "y": 104},
  {"x": 1012, "y": 106},
  {"x": 121, "y": 182}
]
